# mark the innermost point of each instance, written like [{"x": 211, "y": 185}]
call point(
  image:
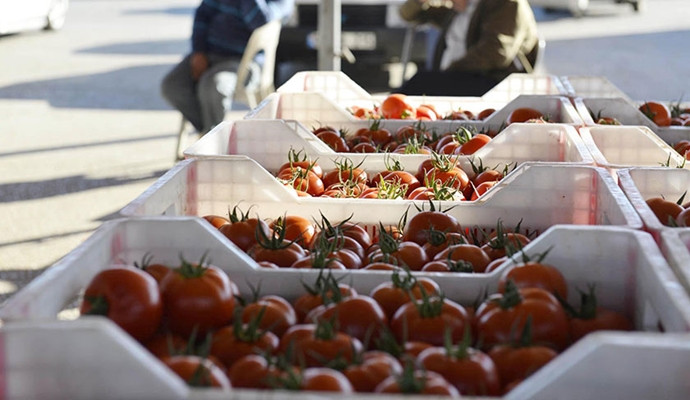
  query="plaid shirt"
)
[{"x": 223, "y": 27}]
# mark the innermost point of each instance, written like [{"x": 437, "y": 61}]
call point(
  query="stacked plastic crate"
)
[{"x": 563, "y": 189}]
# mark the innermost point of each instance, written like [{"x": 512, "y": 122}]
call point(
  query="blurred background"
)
[{"x": 84, "y": 130}]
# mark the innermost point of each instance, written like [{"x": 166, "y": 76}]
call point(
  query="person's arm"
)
[
  {"x": 258, "y": 12},
  {"x": 199, "y": 60},
  {"x": 500, "y": 39}
]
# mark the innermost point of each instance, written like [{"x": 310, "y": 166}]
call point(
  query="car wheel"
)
[{"x": 57, "y": 14}]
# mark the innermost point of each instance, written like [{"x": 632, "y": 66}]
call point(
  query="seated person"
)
[
  {"x": 501, "y": 38},
  {"x": 202, "y": 85}
]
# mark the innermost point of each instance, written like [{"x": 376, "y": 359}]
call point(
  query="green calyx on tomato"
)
[
  {"x": 277, "y": 240},
  {"x": 511, "y": 297},
  {"x": 409, "y": 381},
  {"x": 462, "y": 135},
  {"x": 192, "y": 270},
  {"x": 588, "y": 304},
  {"x": 430, "y": 306},
  {"x": 237, "y": 215},
  {"x": 248, "y": 332},
  {"x": 99, "y": 305},
  {"x": 459, "y": 351}
]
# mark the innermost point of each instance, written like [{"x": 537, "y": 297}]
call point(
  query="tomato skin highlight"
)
[
  {"x": 198, "y": 372},
  {"x": 132, "y": 298},
  {"x": 408, "y": 320}
]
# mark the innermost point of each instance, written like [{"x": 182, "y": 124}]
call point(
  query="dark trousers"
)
[{"x": 447, "y": 83}]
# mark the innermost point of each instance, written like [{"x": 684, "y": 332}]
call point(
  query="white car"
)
[{"x": 23, "y": 15}]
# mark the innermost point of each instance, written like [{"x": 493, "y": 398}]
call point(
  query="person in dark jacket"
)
[
  {"x": 501, "y": 38},
  {"x": 201, "y": 86}
]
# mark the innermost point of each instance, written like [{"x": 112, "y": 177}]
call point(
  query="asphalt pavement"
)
[{"x": 84, "y": 130}]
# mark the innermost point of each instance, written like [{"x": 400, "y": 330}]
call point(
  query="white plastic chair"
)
[{"x": 264, "y": 39}]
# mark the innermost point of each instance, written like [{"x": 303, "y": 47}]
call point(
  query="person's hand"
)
[{"x": 198, "y": 64}]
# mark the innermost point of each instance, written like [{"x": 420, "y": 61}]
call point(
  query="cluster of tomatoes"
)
[
  {"x": 670, "y": 213},
  {"x": 439, "y": 177},
  {"x": 431, "y": 240},
  {"x": 396, "y": 106},
  {"x": 683, "y": 148},
  {"x": 658, "y": 112},
  {"x": 410, "y": 139},
  {"x": 404, "y": 336}
]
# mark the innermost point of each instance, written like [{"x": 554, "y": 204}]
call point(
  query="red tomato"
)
[
  {"x": 198, "y": 372},
  {"x": 334, "y": 140},
  {"x": 359, "y": 316},
  {"x": 418, "y": 227},
  {"x": 500, "y": 316},
  {"x": 658, "y": 112},
  {"x": 166, "y": 344},
  {"x": 428, "y": 320},
  {"x": 370, "y": 369},
  {"x": 296, "y": 159},
  {"x": 665, "y": 210},
  {"x": 402, "y": 288},
  {"x": 590, "y": 317},
  {"x": 535, "y": 274},
  {"x": 518, "y": 363},
  {"x": 485, "y": 113},
  {"x": 295, "y": 228},
  {"x": 475, "y": 143},
  {"x": 419, "y": 382},
  {"x": 406, "y": 254},
  {"x": 326, "y": 286},
  {"x": 256, "y": 372},
  {"x": 233, "y": 342},
  {"x": 129, "y": 297},
  {"x": 281, "y": 252},
  {"x": 198, "y": 297},
  {"x": 523, "y": 114},
  {"x": 277, "y": 314},
  {"x": 466, "y": 253},
  {"x": 471, "y": 371},
  {"x": 216, "y": 220},
  {"x": 395, "y": 106},
  {"x": 303, "y": 180},
  {"x": 242, "y": 230},
  {"x": 318, "y": 344},
  {"x": 345, "y": 172},
  {"x": 324, "y": 380}
]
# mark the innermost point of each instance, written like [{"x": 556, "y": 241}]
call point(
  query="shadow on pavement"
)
[
  {"x": 22, "y": 191},
  {"x": 131, "y": 88},
  {"x": 161, "y": 47}
]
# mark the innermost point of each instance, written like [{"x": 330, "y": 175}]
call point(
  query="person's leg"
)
[
  {"x": 179, "y": 90},
  {"x": 215, "y": 91}
]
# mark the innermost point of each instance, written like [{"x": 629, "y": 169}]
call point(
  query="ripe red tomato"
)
[
  {"x": 233, "y": 342},
  {"x": 475, "y": 143},
  {"x": 515, "y": 364},
  {"x": 166, "y": 344},
  {"x": 418, "y": 227},
  {"x": 129, "y": 297},
  {"x": 198, "y": 296},
  {"x": 658, "y": 112},
  {"x": 395, "y": 106},
  {"x": 402, "y": 288},
  {"x": 370, "y": 369},
  {"x": 324, "y": 380},
  {"x": 318, "y": 344},
  {"x": 334, "y": 140},
  {"x": 255, "y": 372},
  {"x": 428, "y": 320},
  {"x": 466, "y": 253},
  {"x": 242, "y": 230},
  {"x": 282, "y": 253},
  {"x": 359, "y": 316},
  {"x": 295, "y": 228},
  {"x": 523, "y": 114},
  {"x": 419, "y": 382},
  {"x": 277, "y": 314},
  {"x": 535, "y": 274},
  {"x": 665, "y": 210},
  {"x": 198, "y": 372},
  {"x": 216, "y": 220},
  {"x": 471, "y": 371},
  {"x": 501, "y": 316},
  {"x": 326, "y": 286},
  {"x": 591, "y": 317}
]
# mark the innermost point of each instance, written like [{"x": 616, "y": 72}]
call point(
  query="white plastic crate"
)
[
  {"x": 344, "y": 90},
  {"x": 625, "y": 265},
  {"x": 268, "y": 143},
  {"x": 591, "y": 86},
  {"x": 316, "y": 108},
  {"x": 675, "y": 245},
  {"x": 627, "y": 113},
  {"x": 614, "y": 146},
  {"x": 541, "y": 195},
  {"x": 640, "y": 184}
]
